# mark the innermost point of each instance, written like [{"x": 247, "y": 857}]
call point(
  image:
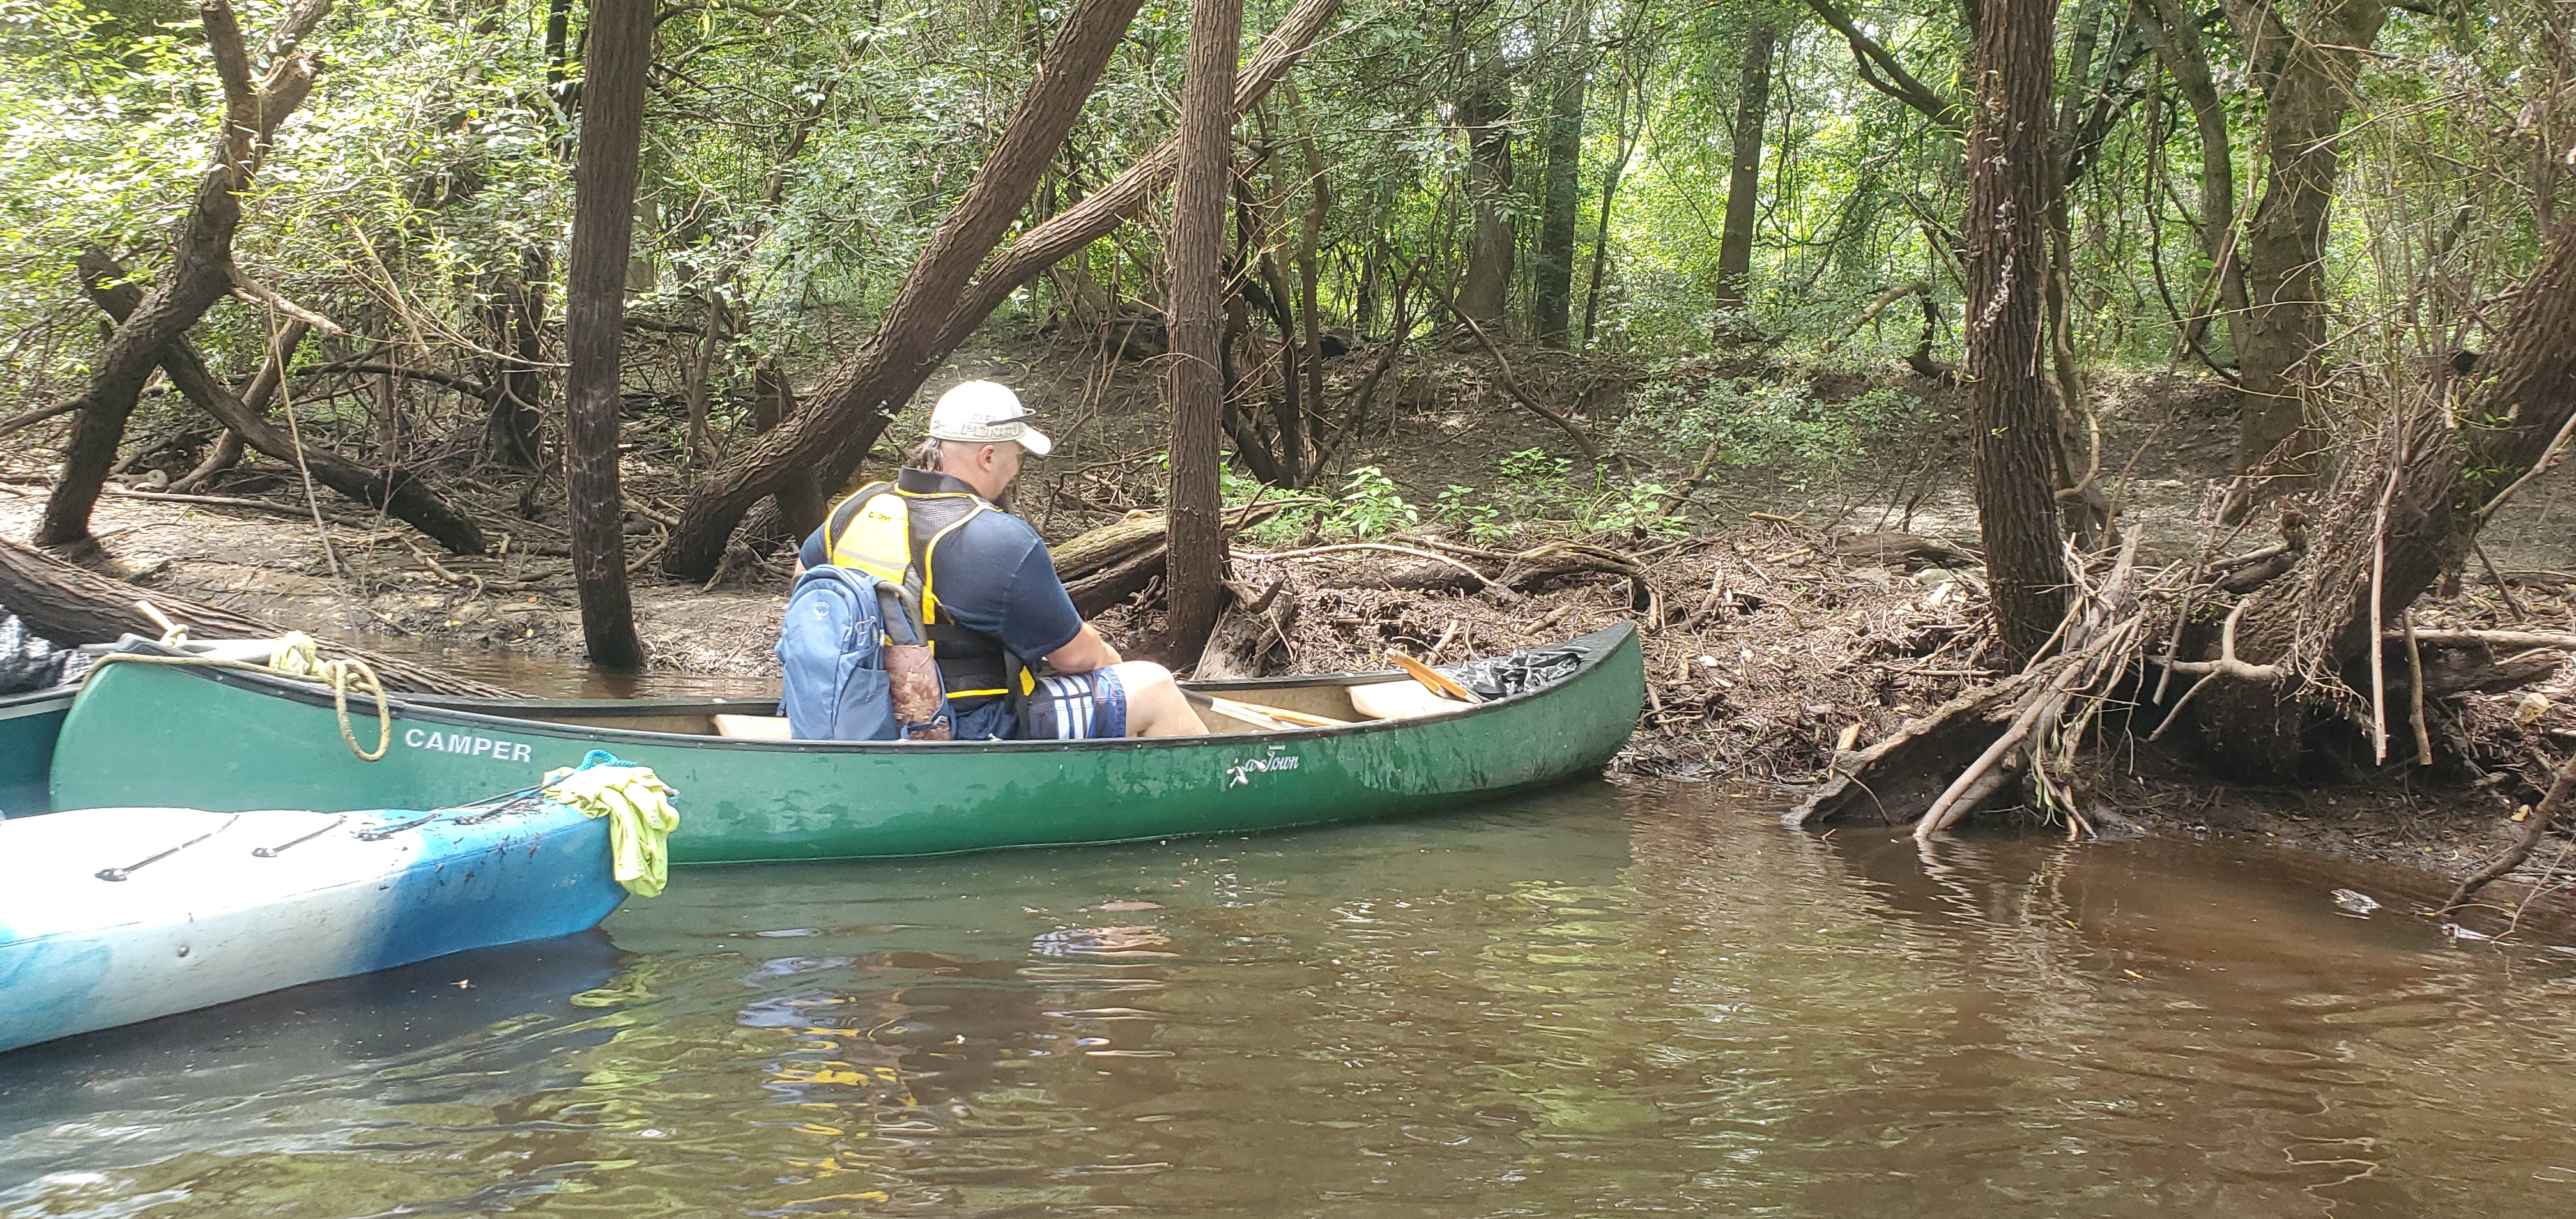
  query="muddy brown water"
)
[
  {"x": 539, "y": 677},
  {"x": 1591, "y": 1001}
]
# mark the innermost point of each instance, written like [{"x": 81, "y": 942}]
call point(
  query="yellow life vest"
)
[{"x": 892, "y": 531}]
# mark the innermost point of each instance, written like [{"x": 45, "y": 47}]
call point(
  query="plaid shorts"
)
[{"x": 1077, "y": 707}]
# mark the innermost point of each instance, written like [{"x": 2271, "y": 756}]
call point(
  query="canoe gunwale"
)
[
  {"x": 36, "y": 702},
  {"x": 1599, "y": 646}
]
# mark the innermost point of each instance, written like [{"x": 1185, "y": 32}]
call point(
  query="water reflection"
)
[{"x": 1589, "y": 1002}]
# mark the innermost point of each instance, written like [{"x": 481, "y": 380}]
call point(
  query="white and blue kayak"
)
[{"x": 126, "y": 914}]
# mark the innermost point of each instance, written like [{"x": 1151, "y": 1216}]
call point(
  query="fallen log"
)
[
  {"x": 73, "y": 605},
  {"x": 36, "y": 416},
  {"x": 1438, "y": 561},
  {"x": 1251, "y": 629},
  {"x": 264, "y": 385},
  {"x": 1097, "y": 550},
  {"x": 218, "y": 501},
  {"x": 1446, "y": 571},
  {"x": 1900, "y": 551},
  {"x": 1113, "y": 585},
  {"x": 399, "y": 492},
  {"x": 1107, "y": 565},
  {"x": 2450, "y": 672}
]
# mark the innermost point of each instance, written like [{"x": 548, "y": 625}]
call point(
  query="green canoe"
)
[
  {"x": 28, "y": 725},
  {"x": 229, "y": 740}
]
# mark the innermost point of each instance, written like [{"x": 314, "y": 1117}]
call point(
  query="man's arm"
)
[{"x": 1087, "y": 652}]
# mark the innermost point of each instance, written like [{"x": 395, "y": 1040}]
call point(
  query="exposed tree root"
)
[
  {"x": 2022, "y": 733},
  {"x": 1897, "y": 777},
  {"x": 2534, "y": 827},
  {"x": 2025, "y": 727}
]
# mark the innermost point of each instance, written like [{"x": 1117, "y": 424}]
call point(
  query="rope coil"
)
[{"x": 300, "y": 657}]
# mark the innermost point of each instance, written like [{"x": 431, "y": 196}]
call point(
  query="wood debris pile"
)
[{"x": 1767, "y": 648}]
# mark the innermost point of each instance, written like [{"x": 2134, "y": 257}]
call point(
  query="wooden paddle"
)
[
  {"x": 1434, "y": 680},
  {"x": 1300, "y": 718},
  {"x": 1277, "y": 719}
]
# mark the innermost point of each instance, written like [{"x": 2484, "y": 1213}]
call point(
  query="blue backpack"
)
[{"x": 831, "y": 648}]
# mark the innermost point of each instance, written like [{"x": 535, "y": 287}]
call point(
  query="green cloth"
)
[
  {"x": 638, "y": 807},
  {"x": 297, "y": 655}
]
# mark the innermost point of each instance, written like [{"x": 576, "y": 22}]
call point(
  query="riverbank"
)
[{"x": 1795, "y": 608}]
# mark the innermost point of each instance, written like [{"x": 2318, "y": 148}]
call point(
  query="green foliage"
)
[
  {"x": 1753, "y": 421},
  {"x": 1368, "y": 507},
  {"x": 1483, "y": 522},
  {"x": 798, "y": 158},
  {"x": 1538, "y": 492},
  {"x": 1533, "y": 466},
  {"x": 1632, "y": 508}
]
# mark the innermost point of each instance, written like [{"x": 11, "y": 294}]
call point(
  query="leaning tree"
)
[{"x": 957, "y": 282}]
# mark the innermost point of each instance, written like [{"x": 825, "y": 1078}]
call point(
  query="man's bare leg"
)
[{"x": 1155, "y": 706}]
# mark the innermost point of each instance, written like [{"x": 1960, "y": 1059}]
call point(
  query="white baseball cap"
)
[{"x": 985, "y": 412}]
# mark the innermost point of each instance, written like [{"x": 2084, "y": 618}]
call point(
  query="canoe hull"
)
[
  {"x": 214, "y": 922},
  {"x": 152, "y": 733},
  {"x": 28, "y": 725}
]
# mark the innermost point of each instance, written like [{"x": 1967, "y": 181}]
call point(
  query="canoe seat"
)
[
  {"x": 752, "y": 727},
  {"x": 1400, "y": 700}
]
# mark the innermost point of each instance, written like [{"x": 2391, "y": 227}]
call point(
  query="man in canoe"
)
[{"x": 989, "y": 594}]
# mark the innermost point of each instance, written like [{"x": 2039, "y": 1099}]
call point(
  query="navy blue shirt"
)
[{"x": 994, "y": 576}]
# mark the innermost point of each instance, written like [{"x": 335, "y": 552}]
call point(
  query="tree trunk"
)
[
  {"x": 518, "y": 328},
  {"x": 1627, "y": 136},
  {"x": 2307, "y": 78},
  {"x": 1293, "y": 407},
  {"x": 1310, "y": 240},
  {"x": 697, "y": 367},
  {"x": 558, "y": 40},
  {"x": 828, "y": 439},
  {"x": 2445, "y": 477},
  {"x": 1552, "y": 293},
  {"x": 395, "y": 491},
  {"x": 2173, "y": 30},
  {"x": 2011, "y": 416},
  {"x": 603, "y": 229},
  {"x": 2086, "y": 511},
  {"x": 1262, "y": 228},
  {"x": 1485, "y": 112},
  {"x": 254, "y": 397},
  {"x": 201, "y": 265},
  {"x": 1372, "y": 271},
  {"x": 1744, "y": 176},
  {"x": 1193, "y": 382},
  {"x": 1252, "y": 446}
]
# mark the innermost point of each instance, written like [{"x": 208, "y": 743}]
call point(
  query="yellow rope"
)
[{"x": 334, "y": 672}]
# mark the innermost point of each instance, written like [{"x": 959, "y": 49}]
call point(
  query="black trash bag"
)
[
  {"x": 30, "y": 663},
  {"x": 1517, "y": 672}
]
